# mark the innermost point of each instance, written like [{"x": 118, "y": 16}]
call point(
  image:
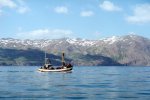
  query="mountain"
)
[{"x": 130, "y": 50}]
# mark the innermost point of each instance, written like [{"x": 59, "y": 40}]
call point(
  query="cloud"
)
[
  {"x": 1, "y": 12},
  {"x": 109, "y": 6},
  {"x": 141, "y": 14},
  {"x": 61, "y": 10},
  {"x": 97, "y": 33},
  {"x": 23, "y": 10},
  {"x": 18, "y": 5},
  {"x": 7, "y": 3},
  {"x": 45, "y": 34},
  {"x": 86, "y": 13}
]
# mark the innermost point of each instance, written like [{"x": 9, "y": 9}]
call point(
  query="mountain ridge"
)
[{"x": 130, "y": 50}]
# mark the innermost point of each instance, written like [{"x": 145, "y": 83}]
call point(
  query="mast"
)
[
  {"x": 63, "y": 59},
  {"x": 47, "y": 60}
]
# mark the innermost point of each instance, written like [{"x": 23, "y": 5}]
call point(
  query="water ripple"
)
[{"x": 105, "y": 83}]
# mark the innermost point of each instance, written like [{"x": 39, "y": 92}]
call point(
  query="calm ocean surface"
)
[{"x": 93, "y": 83}]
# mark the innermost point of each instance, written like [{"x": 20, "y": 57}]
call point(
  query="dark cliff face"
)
[
  {"x": 95, "y": 60},
  {"x": 24, "y": 57},
  {"x": 33, "y": 57},
  {"x": 126, "y": 50}
]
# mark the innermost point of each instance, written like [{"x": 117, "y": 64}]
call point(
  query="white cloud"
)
[
  {"x": 86, "y": 13},
  {"x": 23, "y": 9},
  {"x": 141, "y": 14},
  {"x": 45, "y": 34},
  {"x": 18, "y": 5},
  {"x": 7, "y": 3},
  {"x": 61, "y": 10},
  {"x": 109, "y": 6},
  {"x": 97, "y": 33},
  {"x": 1, "y": 12}
]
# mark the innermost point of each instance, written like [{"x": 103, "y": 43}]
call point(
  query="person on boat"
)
[
  {"x": 44, "y": 67},
  {"x": 48, "y": 64},
  {"x": 58, "y": 67},
  {"x": 69, "y": 65},
  {"x": 50, "y": 67}
]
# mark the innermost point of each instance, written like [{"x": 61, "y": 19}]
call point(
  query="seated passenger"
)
[{"x": 44, "y": 67}]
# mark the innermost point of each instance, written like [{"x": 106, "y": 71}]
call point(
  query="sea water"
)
[{"x": 88, "y": 82}]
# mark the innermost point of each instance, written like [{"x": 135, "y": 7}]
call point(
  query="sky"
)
[{"x": 87, "y": 19}]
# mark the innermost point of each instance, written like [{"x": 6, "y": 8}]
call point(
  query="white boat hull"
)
[{"x": 55, "y": 70}]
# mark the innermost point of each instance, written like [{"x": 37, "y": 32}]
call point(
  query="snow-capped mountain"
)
[
  {"x": 15, "y": 43},
  {"x": 25, "y": 44},
  {"x": 128, "y": 50}
]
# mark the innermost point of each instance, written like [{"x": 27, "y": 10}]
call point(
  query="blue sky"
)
[{"x": 89, "y": 19}]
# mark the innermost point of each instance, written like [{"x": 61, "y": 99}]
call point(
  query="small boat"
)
[
  {"x": 48, "y": 67},
  {"x": 55, "y": 70}
]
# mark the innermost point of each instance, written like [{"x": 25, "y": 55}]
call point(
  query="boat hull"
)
[{"x": 55, "y": 70}]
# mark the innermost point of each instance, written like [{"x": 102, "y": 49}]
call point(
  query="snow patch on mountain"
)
[
  {"x": 81, "y": 42},
  {"x": 18, "y": 43},
  {"x": 111, "y": 40}
]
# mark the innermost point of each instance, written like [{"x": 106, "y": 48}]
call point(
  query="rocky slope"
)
[{"x": 125, "y": 50}]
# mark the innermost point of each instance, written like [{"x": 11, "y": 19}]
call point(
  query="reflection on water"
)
[{"x": 117, "y": 83}]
